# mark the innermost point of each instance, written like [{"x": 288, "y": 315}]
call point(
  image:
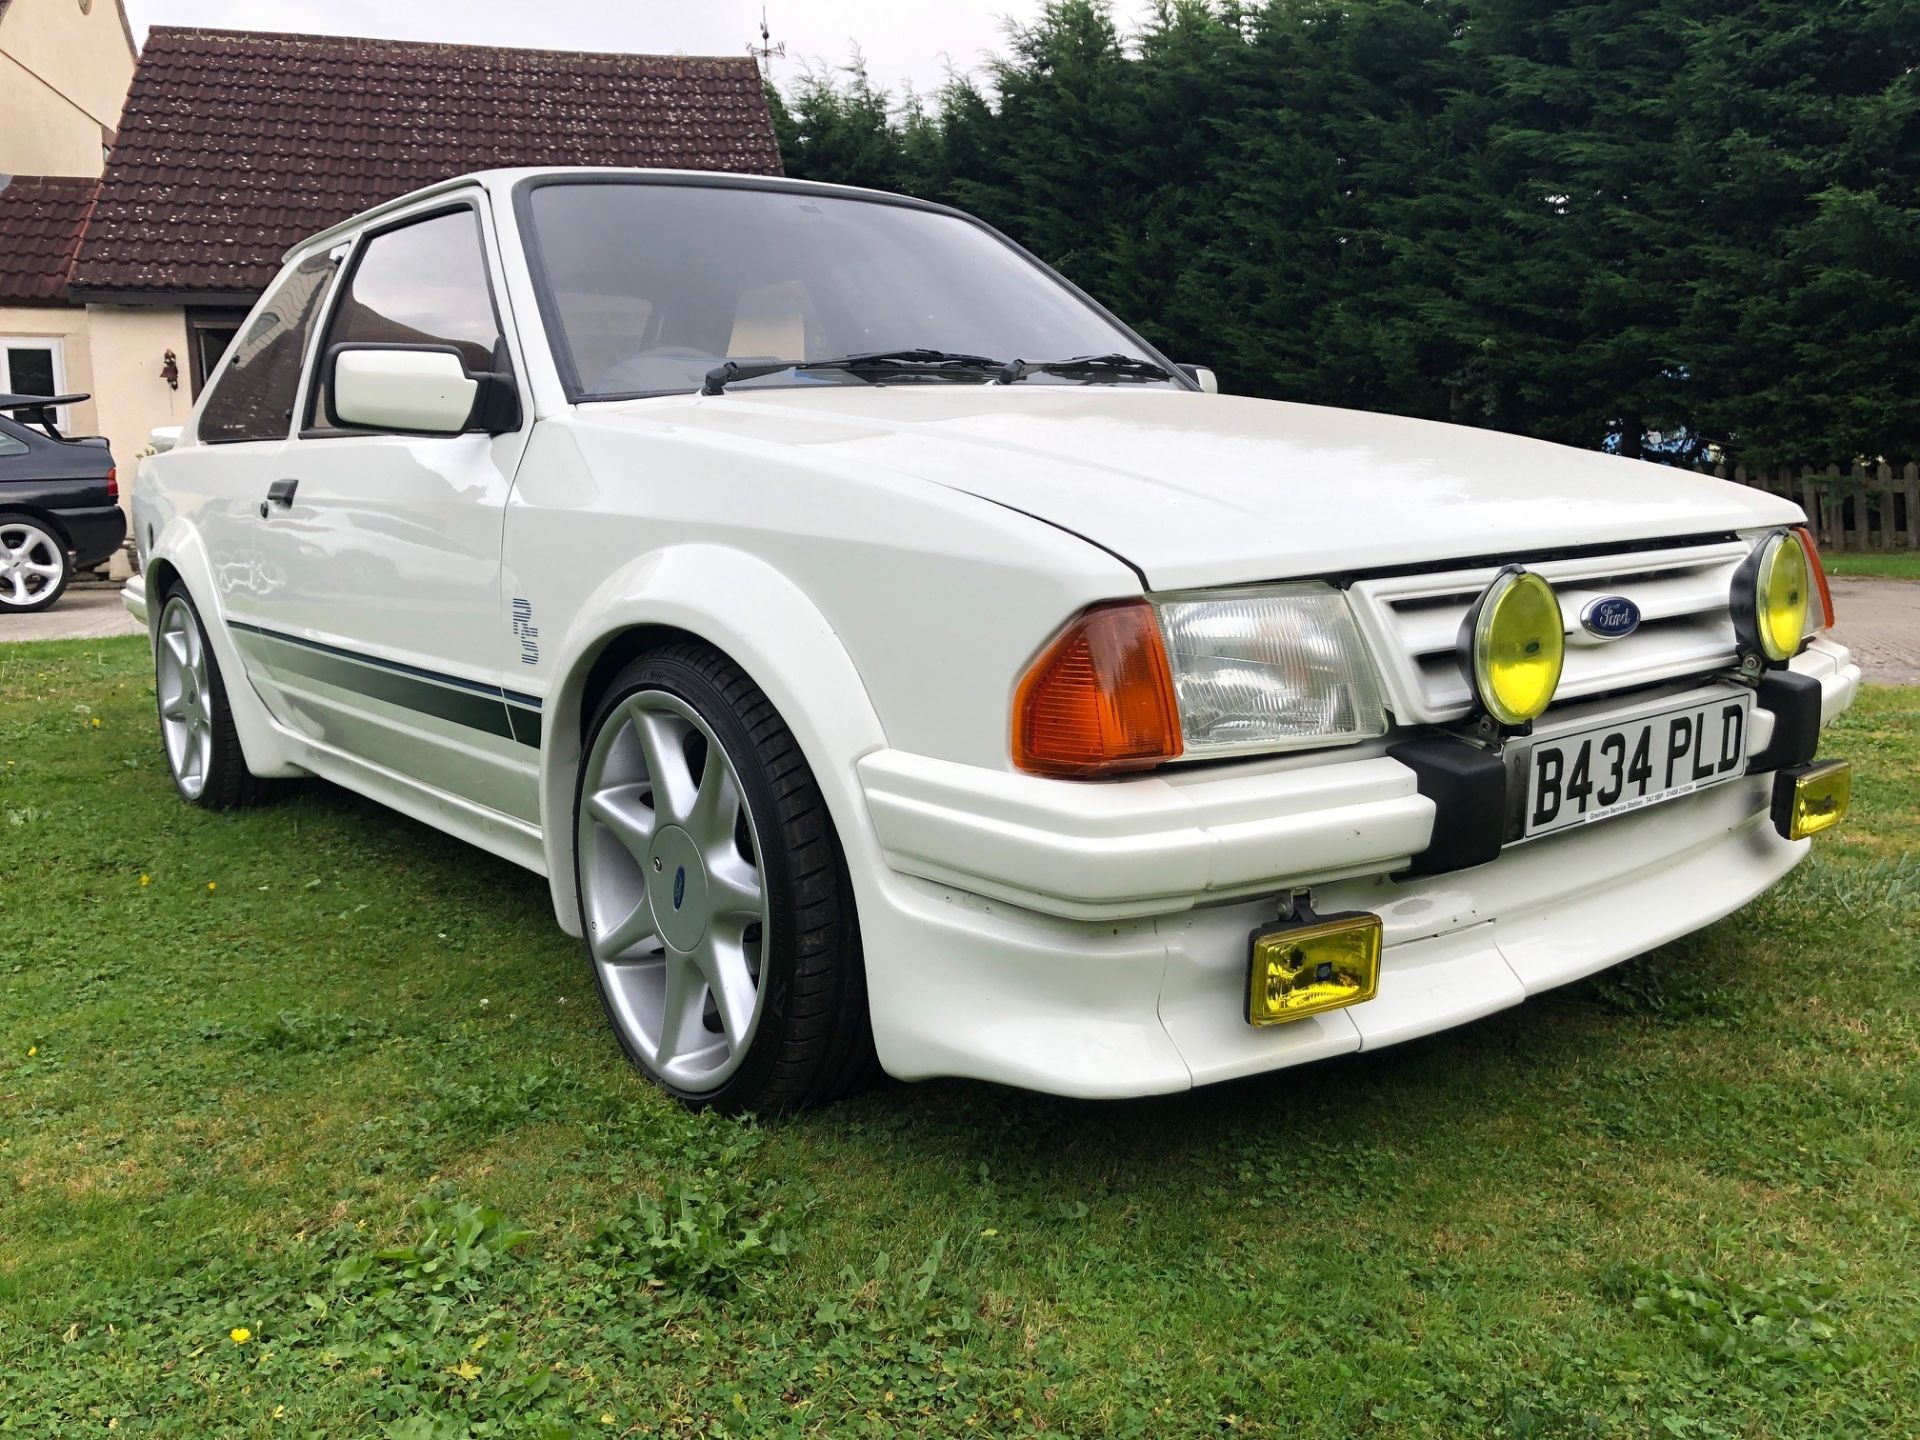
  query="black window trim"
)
[
  {"x": 310, "y": 376},
  {"x": 562, "y": 352}
]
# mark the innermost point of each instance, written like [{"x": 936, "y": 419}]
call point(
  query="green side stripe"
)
[{"x": 470, "y": 707}]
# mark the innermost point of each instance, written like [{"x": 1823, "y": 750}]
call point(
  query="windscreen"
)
[{"x": 650, "y": 286}]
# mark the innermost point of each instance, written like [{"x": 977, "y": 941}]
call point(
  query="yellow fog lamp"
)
[
  {"x": 1810, "y": 798},
  {"x": 1512, "y": 645},
  {"x": 1312, "y": 963},
  {"x": 1771, "y": 590}
]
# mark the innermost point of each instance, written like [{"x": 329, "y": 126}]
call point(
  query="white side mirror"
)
[
  {"x": 414, "y": 387},
  {"x": 163, "y": 438},
  {"x": 1208, "y": 381}
]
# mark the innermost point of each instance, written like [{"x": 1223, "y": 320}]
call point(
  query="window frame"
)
[
  {"x": 54, "y": 345},
  {"x": 548, "y": 303},
  {"x": 359, "y": 241},
  {"x": 299, "y": 258}
]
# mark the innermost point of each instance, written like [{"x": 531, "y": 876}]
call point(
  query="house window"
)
[
  {"x": 32, "y": 366},
  {"x": 209, "y": 333}
]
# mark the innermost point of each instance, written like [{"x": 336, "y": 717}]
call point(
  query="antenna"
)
[{"x": 766, "y": 50}]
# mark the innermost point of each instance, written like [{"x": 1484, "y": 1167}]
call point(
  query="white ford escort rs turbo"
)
[{"x": 888, "y": 656}]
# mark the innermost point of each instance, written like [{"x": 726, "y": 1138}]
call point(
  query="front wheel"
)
[
  {"x": 714, "y": 897},
  {"x": 34, "y": 569}
]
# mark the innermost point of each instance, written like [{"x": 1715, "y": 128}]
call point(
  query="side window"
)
[
  {"x": 253, "y": 399},
  {"x": 423, "y": 284},
  {"x": 10, "y": 445}
]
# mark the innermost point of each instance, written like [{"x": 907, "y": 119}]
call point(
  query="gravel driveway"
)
[
  {"x": 1879, "y": 620},
  {"x": 85, "y": 612}
]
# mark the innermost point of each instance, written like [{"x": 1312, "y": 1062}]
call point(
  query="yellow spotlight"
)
[
  {"x": 1513, "y": 644},
  {"x": 1772, "y": 592},
  {"x": 1783, "y": 590},
  {"x": 1302, "y": 967},
  {"x": 1810, "y": 798}
]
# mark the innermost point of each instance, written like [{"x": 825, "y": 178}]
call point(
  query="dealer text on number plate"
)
[{"x": 1611, "y": 769}]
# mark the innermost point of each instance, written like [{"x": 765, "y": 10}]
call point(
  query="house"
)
[
  {"x": 235, "y": 145},
  {"x": 64, "y": 69}
]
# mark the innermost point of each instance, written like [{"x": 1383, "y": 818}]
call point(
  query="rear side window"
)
[
  {"x": 253, "y": 398},
  {"x": 11, "y": 444},
  {"x": 422, "y": 284}
]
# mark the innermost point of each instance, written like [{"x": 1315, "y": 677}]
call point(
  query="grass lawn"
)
[
  {"x": 1894, "y": 565},
  {"x": 310, "y": 1125}
]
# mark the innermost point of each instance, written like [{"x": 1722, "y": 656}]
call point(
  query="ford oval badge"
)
[{"x": 1611, "y": 617}]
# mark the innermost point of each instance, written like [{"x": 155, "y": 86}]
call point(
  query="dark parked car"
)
[{"x": 59, "y": 503}]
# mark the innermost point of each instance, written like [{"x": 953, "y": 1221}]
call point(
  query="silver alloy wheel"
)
[
  {"x": 671, "y": 885},
  {"x": 186, "y": 700},
  {"x": 31, "y": 563}
]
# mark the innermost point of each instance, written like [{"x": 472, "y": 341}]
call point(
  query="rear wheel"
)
[
  {"x": 34, "y": 569},
  {"x": 714, "y": 897},
  {"x": 196, "y": 726}
]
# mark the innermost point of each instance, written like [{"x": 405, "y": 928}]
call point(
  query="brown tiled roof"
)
[
  {"x": 235, "y": 145},
  {"x": 41, "y": 217}
]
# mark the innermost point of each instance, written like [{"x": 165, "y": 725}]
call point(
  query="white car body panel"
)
[
  {"x": 885, "y": 562},
  {"x": 1207, "y": 490}
]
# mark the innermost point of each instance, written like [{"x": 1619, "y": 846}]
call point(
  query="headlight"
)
[
  {"x": 1513, "y": 643},
  {"x": 1270, "y": 669},
  {"x": 1770, "y": 596}
]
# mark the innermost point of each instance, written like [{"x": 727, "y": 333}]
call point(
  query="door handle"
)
[{"x": 280, "y": 492}]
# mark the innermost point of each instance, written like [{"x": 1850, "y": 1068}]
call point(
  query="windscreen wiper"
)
[
  {"x": 907, "y": 361},
  {"x": 1015, "y": 371}
]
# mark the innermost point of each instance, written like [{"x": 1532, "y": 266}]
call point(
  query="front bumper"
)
[{"x": 1091, "y": 939}]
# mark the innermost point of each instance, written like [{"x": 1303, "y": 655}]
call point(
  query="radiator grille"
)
[{"x": 1412, "y": 622}]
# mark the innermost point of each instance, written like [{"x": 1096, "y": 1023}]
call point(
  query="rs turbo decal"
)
[{"x": 478, "y": 706}]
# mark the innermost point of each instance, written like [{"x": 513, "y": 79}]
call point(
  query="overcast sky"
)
[{"x": 903, "y": 40}]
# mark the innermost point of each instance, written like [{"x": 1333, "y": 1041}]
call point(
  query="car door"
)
[
  {"x": 377, "y": 627},
  {"x": 243, "y": 420}
]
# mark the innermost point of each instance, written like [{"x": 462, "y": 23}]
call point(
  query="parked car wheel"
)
[
  {"x": 33, "y": 564},
  {"x": 196, "y": 725},
  {"x": 715, "y": 900}
]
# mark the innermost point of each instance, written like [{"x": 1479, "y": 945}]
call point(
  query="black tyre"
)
[
  {"x": 717, "y": 912},
  {"x": 196, "y": 725},
  {"x": 34, "y": 564}
]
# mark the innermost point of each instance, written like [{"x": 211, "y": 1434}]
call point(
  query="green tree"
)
[{"x": 1585, "y": 221}]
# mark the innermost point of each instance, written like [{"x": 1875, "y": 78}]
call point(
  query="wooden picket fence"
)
[{"x": 1856, "y": 511}]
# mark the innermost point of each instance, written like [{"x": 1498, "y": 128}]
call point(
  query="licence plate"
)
[{"x": 1629, "y": 765}]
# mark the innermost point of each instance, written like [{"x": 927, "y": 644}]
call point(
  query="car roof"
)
[{"x": 503, "y": 179}]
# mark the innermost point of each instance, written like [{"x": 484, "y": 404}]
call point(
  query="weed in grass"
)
[
  {"x": 704, "y": 1234},
  {"x": 1784, "y": 1324}
]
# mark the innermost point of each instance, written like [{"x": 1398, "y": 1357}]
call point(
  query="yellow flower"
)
[
  {"x": 32, "y": 1050},
  {"x": 212, "y": 885},
  {"x": 96, "y": 722},
  {"x": 240, "y": 1334},
  {"x": 146, "y": 879},
  {"x": 606, "y": 1419},
  {"x": 466, "y": 1370}
]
